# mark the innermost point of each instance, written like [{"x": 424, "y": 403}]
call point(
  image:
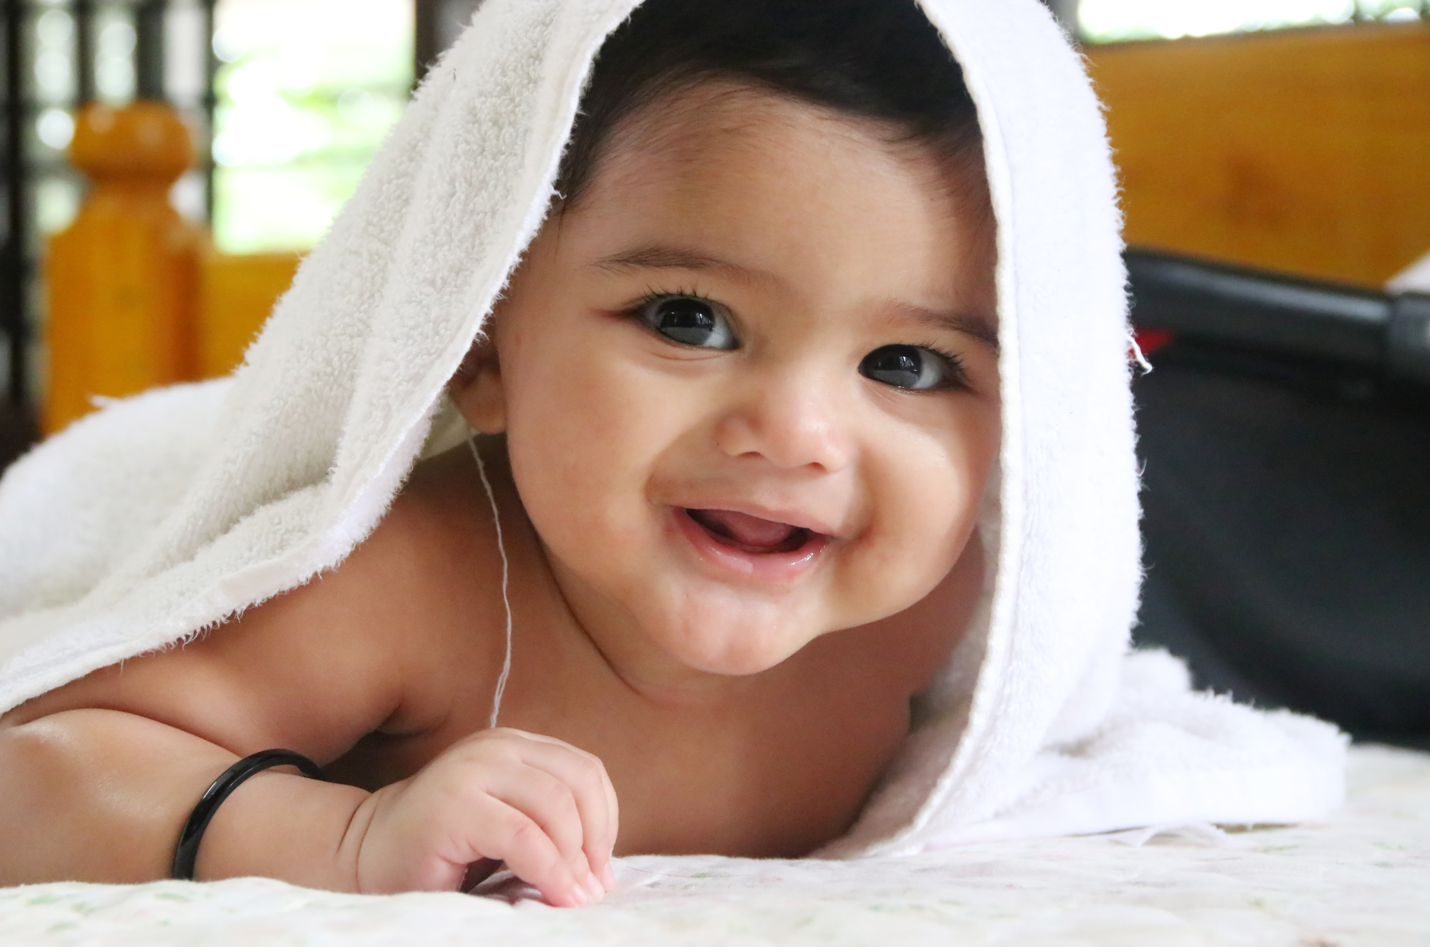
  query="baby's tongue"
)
[{"x": 744, "y": 529}]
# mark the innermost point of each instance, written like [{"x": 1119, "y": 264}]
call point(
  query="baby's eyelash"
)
[
  {"x": 953, "y": 358},
  {"x": 653, "y": 295},
  {"x": 956, "y": 366}
]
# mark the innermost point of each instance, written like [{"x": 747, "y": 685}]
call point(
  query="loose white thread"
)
[
  {"x": 506, "y": 602},
  {"x": 1137, "y": 355}
]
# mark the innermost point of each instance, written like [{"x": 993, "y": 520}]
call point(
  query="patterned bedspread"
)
[{"x": 1362, "y": 878}]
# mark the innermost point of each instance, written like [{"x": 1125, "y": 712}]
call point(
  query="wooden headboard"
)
[{"x": 1303, "y": 150}]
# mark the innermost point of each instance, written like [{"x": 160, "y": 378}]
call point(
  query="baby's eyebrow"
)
[
  {"x": 677, "y": 258},
  {"x": 976, "y": 324}
]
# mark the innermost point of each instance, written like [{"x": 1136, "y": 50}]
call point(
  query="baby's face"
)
[{"x": 749, "y": 382}]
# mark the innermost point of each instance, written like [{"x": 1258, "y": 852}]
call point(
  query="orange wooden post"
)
[{"x": 122, "y": 279}]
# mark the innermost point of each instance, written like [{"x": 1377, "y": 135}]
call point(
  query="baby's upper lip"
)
[{"x": 800, "y": 519}]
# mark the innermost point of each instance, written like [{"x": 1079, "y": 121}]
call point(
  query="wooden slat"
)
[
  {"x": 1301, "y": 150},
  {"x": 236, "y": 294}
]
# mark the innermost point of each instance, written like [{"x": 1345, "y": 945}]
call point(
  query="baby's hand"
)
[{"x": 542, "y": 806}]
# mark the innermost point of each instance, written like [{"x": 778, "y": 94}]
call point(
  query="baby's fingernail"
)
[
  {"x": 594, "y": 886},
  {"x": 579, "y": 895},
  {"x": 608, "y": 877}
]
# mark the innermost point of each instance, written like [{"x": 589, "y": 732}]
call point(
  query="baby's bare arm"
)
[
  {"x": 100, "y": 795},
  {"x": 97, "y": 777}
]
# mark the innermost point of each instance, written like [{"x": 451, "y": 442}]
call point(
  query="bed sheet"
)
[{"x": 1362, "y": 878}]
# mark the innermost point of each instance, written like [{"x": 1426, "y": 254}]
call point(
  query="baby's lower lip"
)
[{"x": 780, "y": 564}]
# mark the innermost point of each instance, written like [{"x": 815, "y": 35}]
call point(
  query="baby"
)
[{"x": 737, "y": 409}]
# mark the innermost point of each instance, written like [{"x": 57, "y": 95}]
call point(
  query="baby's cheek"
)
[
  {"x": 925, "y": 524},
  {"x": 572, "y": 477}
]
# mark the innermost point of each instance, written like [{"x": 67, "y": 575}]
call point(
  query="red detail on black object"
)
[{"x": 1150, "y": 340}]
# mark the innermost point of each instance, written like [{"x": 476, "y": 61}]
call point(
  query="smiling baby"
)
[{"x": 736, "y": 410}]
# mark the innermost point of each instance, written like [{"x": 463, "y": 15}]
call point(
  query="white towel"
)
[
  {"x": 165, "y": 514},
  {"x": 1415, "y": 278}
]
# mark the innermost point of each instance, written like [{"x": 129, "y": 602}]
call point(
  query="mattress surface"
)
[{"x": 1361, "y": 878}]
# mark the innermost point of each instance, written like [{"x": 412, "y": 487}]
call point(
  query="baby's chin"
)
[
  {"x": 739, "y": 661},
  {"x": 733, "y": 642}
]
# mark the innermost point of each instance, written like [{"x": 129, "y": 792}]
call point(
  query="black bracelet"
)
[{"x": 187, "y": 851}]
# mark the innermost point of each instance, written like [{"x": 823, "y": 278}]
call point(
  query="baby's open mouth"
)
[{"x": 751, "y": 533}]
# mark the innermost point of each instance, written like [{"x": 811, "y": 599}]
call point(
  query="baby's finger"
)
[
  {"x": 591, "y": 788},
  {"x": 587, "y": 775},
  {"x": 551, "y": 804},
  {"x": 532, "y": 856}
]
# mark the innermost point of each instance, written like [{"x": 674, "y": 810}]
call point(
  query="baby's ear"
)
[{"x": 477, "y": 389}]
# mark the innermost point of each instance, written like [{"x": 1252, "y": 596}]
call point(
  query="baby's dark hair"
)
[{"x": 873, "y": 59}]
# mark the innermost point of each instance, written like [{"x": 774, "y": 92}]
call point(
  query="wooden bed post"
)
[{"x": 122, "y": 279}]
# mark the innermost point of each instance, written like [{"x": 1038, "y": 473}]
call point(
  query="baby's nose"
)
[{"x": 790, "y": 424}]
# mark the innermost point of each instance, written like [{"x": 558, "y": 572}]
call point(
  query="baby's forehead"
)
[
  {"x": 736, "y": 119},
  {"x": 706, "y": 138},
  {"x": 730, "y": 163}
]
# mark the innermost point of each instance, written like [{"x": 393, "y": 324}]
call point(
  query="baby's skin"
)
[{"x": 739, "y": 406}]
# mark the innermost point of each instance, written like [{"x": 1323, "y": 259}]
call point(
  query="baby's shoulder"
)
[
  {"x": 426, "y": 577},
  {"x": 378, "y": 642}
]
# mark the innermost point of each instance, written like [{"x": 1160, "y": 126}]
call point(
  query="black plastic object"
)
[
  {"x": 1285, "y": 438},
  {"x": 186, "y": 853},
  {"x": 1283, "y": 315}
]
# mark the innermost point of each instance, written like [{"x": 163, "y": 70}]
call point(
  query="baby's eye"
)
[
  {"x": 689, "y": 320},
  {"x": 911, "y": 367}
]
